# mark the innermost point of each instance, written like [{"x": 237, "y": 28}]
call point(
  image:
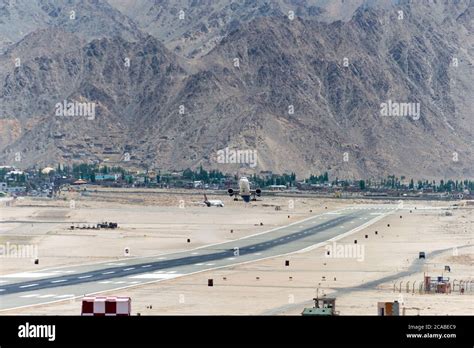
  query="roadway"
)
[{"x": 62, "y": 283}]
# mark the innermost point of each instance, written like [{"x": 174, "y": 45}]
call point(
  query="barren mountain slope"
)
[{"x": 166, "y": 113}]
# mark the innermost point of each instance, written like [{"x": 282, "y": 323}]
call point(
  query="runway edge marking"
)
[
  {"x": 348, "y": 233},
  {"x": 183, "y": 251},
  {"x": 368, "y": 223}
]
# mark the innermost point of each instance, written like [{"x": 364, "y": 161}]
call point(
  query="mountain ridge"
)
[{"x": 168, "y": 112}]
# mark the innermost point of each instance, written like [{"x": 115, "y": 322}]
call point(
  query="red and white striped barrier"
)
[{"x": 106, "y": 306}]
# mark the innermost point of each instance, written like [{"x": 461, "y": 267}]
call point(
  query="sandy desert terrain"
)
[{"x": 150, "y": 224}]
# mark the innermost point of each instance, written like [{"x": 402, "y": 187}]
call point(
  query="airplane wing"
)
[{"x": 233, "y": 192}]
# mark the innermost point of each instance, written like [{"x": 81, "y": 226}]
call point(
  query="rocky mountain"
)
[
  {"x": 87, "y": 18},
  {"x": 307, "y": 95},
  {"x": 193, "y": 27},
  {"x": 95, "y": 72}
]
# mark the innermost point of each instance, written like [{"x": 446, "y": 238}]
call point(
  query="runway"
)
[{"x": 50, "y": 285}]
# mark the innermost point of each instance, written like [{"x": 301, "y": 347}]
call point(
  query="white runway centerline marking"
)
[
  {"x": 46, "y": 296},
  {"x": 155, "y": 276},
  {"x": 27, "y": 286},
  {"x": 28, "y": 275},
  {"x": 29, "y": 295},
  {"x": 163, "y": 275},
  {"x": 64, "y": 271},
  {"x": 65, "y": 296}
]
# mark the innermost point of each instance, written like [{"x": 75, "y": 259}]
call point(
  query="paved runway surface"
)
[{"x": 30, "y": 288}]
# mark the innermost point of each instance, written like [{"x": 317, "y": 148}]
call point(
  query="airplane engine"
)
[
  {"x": 258, "y": 192},
  {"x": 230, "y": 192}
]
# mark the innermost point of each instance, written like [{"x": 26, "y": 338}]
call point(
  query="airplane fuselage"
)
[
  {"x": 244, "y": 187},
  {"x": 244, "y": 191}
]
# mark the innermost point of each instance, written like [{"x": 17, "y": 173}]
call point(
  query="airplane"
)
[
  {"x": 213, "y": 202},
  {"x": 244, "y": 191}
]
